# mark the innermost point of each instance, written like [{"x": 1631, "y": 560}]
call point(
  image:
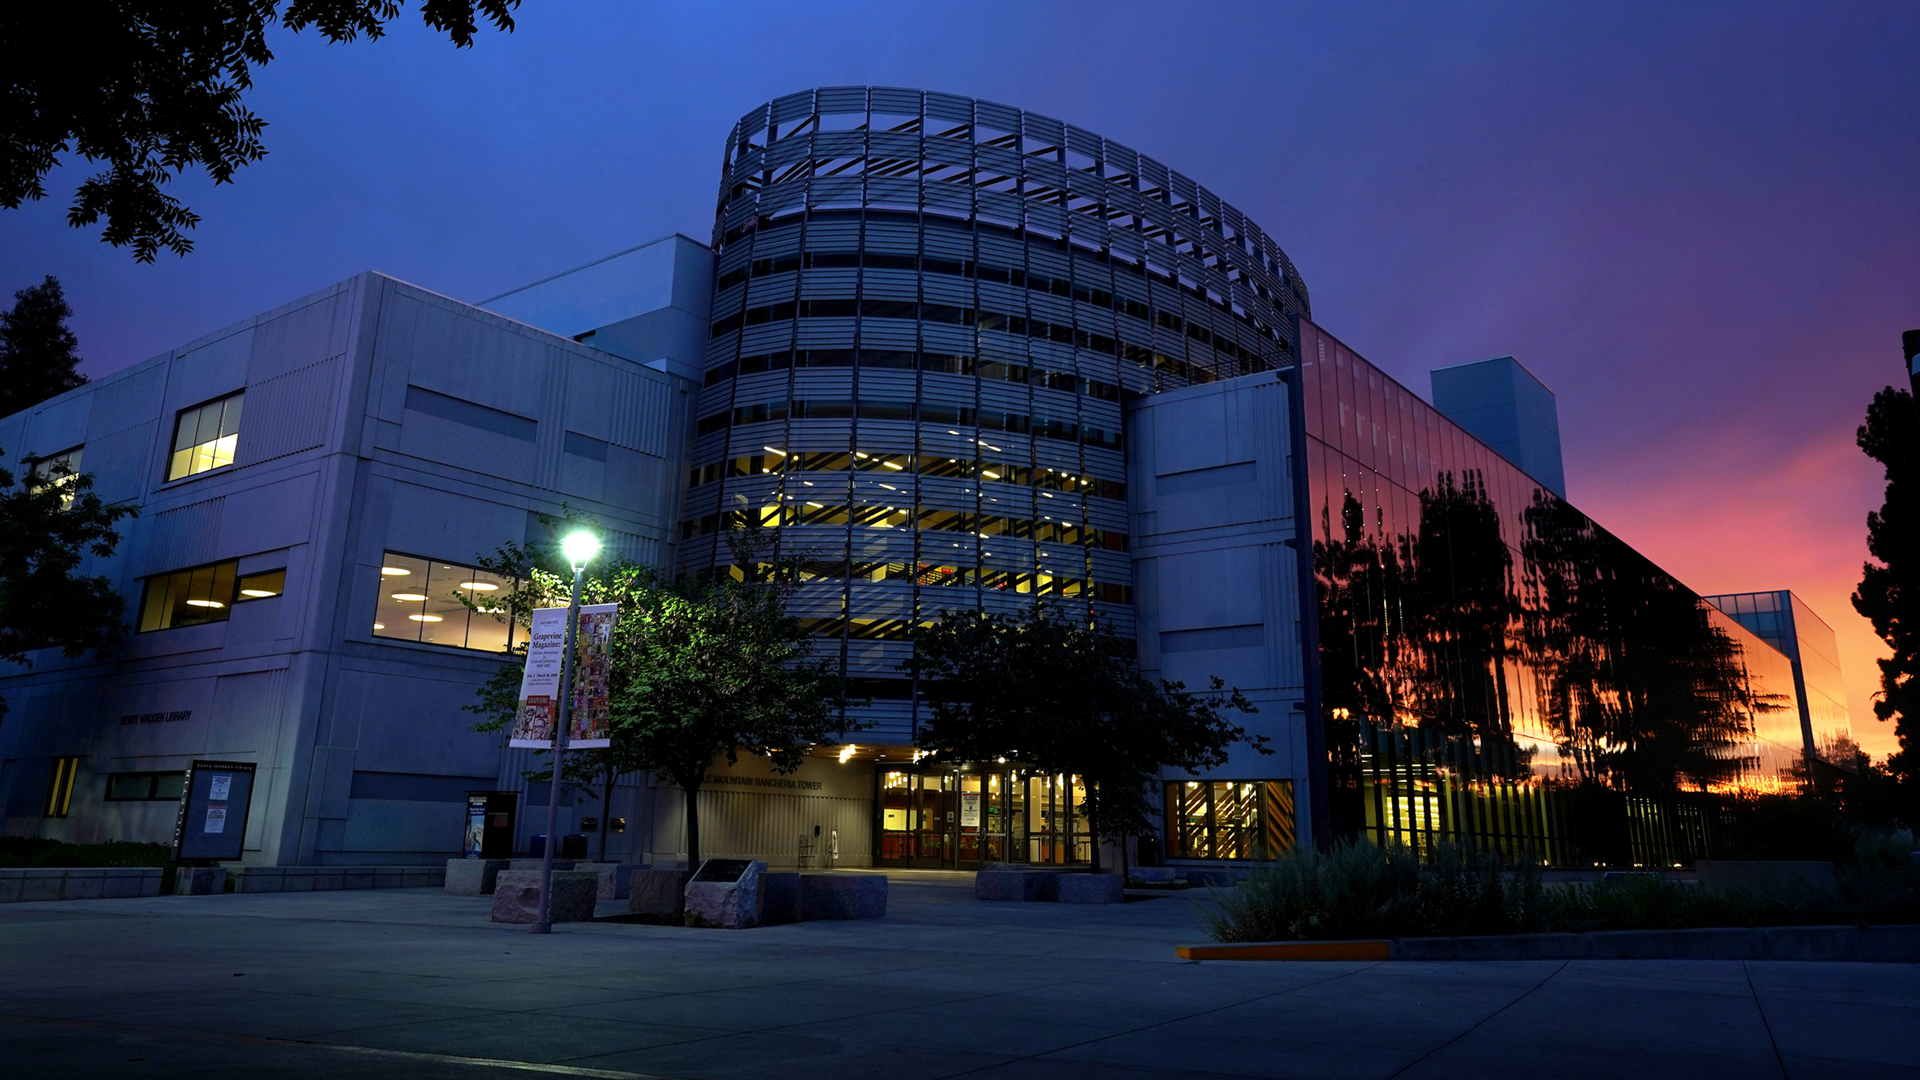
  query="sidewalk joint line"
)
[{"x": 1483, "y": 1020}]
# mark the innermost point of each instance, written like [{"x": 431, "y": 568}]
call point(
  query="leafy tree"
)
[
  {"x": 1062, "y": 697},
  {"x": 1889, "y": 592},
  {"x": 36, "y": 348},
  {"x": 152, "y": 86},
  {"x": 48, "y": 524},
  {"x": 700, "y": 670}
]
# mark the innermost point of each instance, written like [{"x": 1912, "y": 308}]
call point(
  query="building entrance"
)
[{"x": 961, "y": 818}]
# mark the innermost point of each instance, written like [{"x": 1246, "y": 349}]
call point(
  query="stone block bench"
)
[
  {"x": 516, "y": 896},
  {"x": 842, "y": 896},
  {"x": 1020, "y": 886},
  {"x": 616, "y": 878},
  {"x": 473, "y": 877},
  {"x": 26, "y": 884},
  {"x": 1092, "y": 889},
  {"x": 658, "y": 895}
]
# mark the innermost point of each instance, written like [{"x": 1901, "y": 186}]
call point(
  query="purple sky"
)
[{"x": 1700, "y": 225}]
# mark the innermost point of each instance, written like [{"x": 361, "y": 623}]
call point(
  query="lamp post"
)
[{"x": 580, "y": 548}]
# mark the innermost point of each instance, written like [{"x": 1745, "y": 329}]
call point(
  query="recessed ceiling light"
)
[
  {"x": 258, "y": 592},
  {"x": 395, "y": 571},
  {"x": 425, "y": 618},
  {"x": 479, "y": 586},
  {"x": 205, "y": 603},
  {"x": 409, "y": 596},
  {"x": 379, "y": 626}
]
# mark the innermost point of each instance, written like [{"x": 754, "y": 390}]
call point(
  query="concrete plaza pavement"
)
[{"x": 416, "y": 983}]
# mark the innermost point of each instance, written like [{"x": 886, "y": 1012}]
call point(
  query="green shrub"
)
[
  {"x": 1359, "y": 890},
  {"x": 17, "y": 851}
]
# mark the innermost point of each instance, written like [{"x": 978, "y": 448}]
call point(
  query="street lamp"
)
[{"x": 579, "y": 548}]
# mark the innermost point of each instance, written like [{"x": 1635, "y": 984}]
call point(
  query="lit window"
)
[
  {"x": 1229, "y": 819},
  {"x": 203, "y": 594},
  {"x": 60, "y": 785},
  {"x": 428, "y": 601},
  {"x": 260, "y": 586},
  {"x": 204, "y": 437},
  {"x": 58, "y": 471}
]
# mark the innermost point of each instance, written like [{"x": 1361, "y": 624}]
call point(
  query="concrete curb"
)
[
  {"x": 1883, "y": 944},
  {"x": 1291, "y": 950}
]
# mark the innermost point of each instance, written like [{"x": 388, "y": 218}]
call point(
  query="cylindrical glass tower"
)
[{"x": 927, "y": 313}]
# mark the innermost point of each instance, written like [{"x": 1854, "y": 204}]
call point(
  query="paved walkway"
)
[{"x": 418, "y": 984}]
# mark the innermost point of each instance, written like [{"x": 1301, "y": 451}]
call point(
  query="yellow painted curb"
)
[{"x": 1291, "y": 950}]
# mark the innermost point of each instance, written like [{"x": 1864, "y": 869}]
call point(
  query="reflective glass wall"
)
[{"x": 1497, "y": 668}]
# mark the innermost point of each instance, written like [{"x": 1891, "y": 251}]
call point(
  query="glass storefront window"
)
[
  {"x": 1229, "y": 819},
  {"x": 421, "y": 600}
]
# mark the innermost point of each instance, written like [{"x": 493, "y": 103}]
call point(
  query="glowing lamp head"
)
[{"x": 580, "y": 548}]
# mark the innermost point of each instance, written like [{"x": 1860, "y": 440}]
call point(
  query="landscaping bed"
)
[{"x": 1363, "y": 892}]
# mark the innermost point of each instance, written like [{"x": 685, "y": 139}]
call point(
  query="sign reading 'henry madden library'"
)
[{"x": 587, "y": 728}]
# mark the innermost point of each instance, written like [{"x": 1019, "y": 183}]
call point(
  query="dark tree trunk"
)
[{"x": 691, "y": 792}]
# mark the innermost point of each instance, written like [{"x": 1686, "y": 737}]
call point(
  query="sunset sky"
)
[{"x": 1698, "y": 224}]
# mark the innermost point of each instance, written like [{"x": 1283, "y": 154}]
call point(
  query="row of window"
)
[
  {"x": 204, "y": 594},
  {"x": 1231, "y": 352},
  {"x": 908, "y": 360},
  {"x": 1002, "y": 178},
  {"x": 204, "y": 438},
  {"x": 1064, "y": 287},
  {"x": 1039, "y": 427},
  {"x": 936, "y": 575},
  {"x": 1120, "y": 262},
  {"x": 925, "y": 519},
  {"x": 779, "y": 461},
  {"x": 121, "y": 787},
  {"x": 1007, "y": 178}
]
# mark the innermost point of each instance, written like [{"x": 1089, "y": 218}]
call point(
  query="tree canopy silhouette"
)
[
  {"x": 151, "y": 87},
  {"x": 37, "y": 356},
  {"x": 1889, "y": 591}
]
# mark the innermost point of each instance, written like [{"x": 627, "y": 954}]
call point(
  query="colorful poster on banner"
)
[
  {"x": 588, "y": 727},
  {"x": 540, "y": 685},
  {"x": 590, "y": 724}
]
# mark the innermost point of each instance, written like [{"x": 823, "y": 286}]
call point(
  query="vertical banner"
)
[
  {"x": 590, "y": 724},
  {"x": 539, "y": 707},
  {"x": 539, "y": 711}
]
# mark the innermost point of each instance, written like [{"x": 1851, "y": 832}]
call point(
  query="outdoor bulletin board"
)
[
  {"x": 538, "y": 711},
  {"x": 213, "y": 811}
]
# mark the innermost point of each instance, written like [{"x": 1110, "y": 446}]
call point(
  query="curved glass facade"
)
[{"x": 928, "y": 310}]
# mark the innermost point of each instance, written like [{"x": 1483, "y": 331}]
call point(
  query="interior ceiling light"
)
[
  {"x": 410, "y": 596},
  {"x": 395, "y": 571},
  {"x": 205, "y": 603},
  {"x": 258, "y": 592},
  {"x": 846, "y": 753},
  {"x": 479, "y": 586},
  {"x": 425, "y": 618}
]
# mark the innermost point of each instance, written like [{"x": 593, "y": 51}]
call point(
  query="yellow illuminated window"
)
[
  {"x": 203, "y": 594},
  {"x": 60, "y": 785},
  {"x": 435, "y": 602},
  {"x": 59, "y": 471},
  {"x": 204, "y": 437}
]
